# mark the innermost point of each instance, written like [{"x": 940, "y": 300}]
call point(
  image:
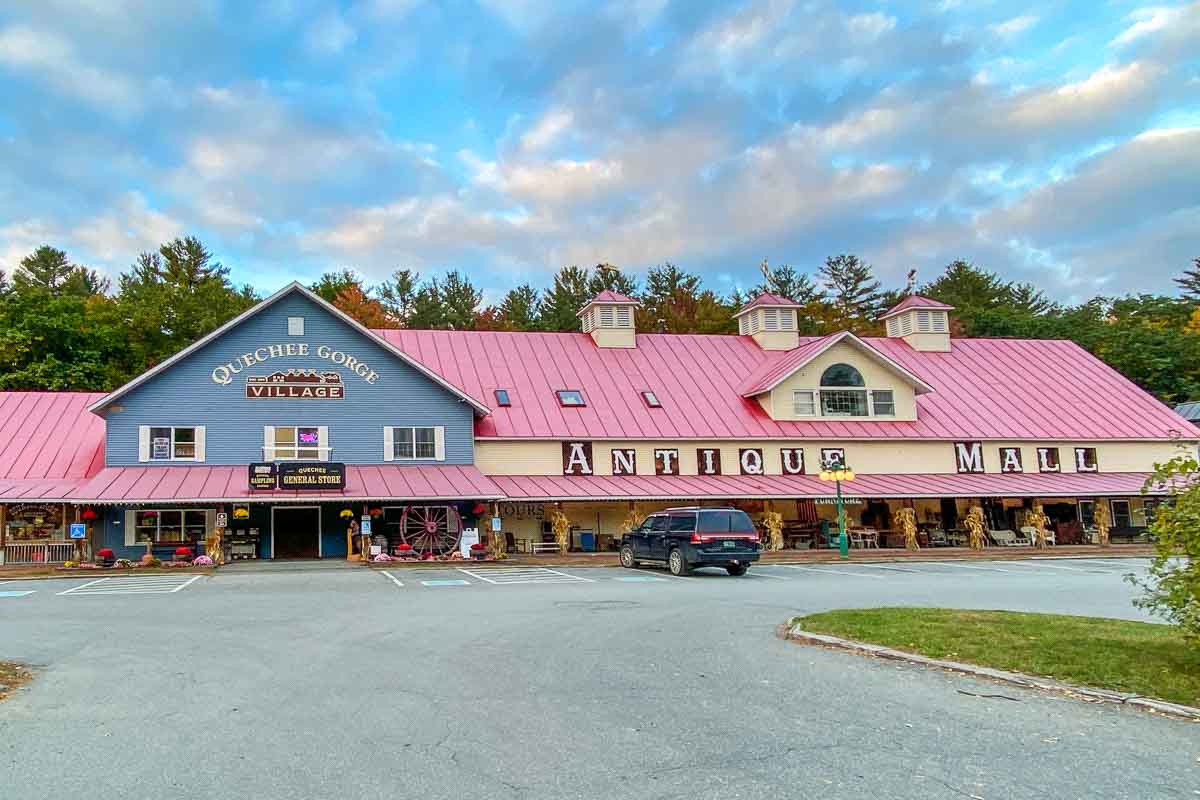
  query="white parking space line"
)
[
  {"x": 134, "y": 584},
  {"x": 523, "y": 575},
  {"x": 833, "y": 571},
  {"x": 83, "y": 586},
  {"x": 15, "y": 593},
  {"x": 975, "y": 566},
  {"x": 894, "y": 569},
  {"x": 393, "y": 578}
]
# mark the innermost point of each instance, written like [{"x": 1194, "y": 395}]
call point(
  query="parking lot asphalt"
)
[{"x": 478, "y": 681}]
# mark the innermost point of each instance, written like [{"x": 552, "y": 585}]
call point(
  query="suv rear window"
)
[
  {"x": 683, "y": 523},
  {"x": 725, "y": 522}
]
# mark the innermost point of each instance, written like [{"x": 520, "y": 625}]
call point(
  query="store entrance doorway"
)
[{"x": 295, "y": 532}]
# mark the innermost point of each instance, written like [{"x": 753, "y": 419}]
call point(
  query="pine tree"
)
[
  {"x": 331, "y": 284},
  {"x": 561, "y": 305},
  {"x": 1189, "y": 282},
  {"x": 461, "y": 300},
  {"x": 852, "y": 289},
  {"x": 786, "y": 281},
  {"x": 398, "y": 294},
  {"x": 669, "y": 300},
  {"x": 520, "y": 310},
  {"x": 48, "y": 270}
]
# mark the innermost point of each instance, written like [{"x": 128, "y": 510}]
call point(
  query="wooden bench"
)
[{"x": 543, "y": 547}]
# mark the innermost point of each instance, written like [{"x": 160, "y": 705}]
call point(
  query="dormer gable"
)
[
  {"x": 835, "y": 376},
  {"x": 771, "y": 320},
  {"x": 922, "y": 322},
  {"x": 610, "y": 319}
]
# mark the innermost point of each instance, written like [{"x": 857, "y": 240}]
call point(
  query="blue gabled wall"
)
[{"x": 185, "y": 394}]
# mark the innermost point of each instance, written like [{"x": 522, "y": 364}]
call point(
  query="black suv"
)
[{"x": 684, "y": 538}]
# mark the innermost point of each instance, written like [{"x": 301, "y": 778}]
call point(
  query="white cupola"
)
[
  {"x": 920, "y": 321},
  {"x": 609, "y": 318},
  {"x": 771, "y": 320}
]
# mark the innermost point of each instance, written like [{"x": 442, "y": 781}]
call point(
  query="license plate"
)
[{"x": 729, "y": 544}]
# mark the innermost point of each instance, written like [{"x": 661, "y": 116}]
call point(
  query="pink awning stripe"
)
[{"x": 229, "y": 484}]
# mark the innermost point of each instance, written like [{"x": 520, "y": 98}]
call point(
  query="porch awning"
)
[
  {"x": 768, "y": 487},
  {"x": 38, "y": 489},
  {"x": 227, "y": 484}
]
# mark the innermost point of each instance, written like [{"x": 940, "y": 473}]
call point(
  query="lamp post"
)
[{"x": 837, "y": 472}]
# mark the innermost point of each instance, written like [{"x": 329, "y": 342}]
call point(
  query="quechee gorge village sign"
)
[{"x": 301, "y": 384}]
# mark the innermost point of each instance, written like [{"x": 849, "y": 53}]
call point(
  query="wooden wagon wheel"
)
[{"x": 431, "y": 529}]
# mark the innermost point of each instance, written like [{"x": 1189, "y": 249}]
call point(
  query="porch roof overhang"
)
[
  {"x": 43, "y": 490},
  {"x": 229, "y": 484},
  {"x": 772, "y": 487}
]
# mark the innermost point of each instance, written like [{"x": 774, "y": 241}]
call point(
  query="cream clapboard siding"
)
[
  {"x": 779, "y": 401},
  {"x": 869, "y": 457}
]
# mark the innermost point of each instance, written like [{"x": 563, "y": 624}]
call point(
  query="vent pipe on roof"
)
[{"x": 610, "y": 319}]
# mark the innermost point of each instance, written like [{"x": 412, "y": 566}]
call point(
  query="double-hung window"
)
[
  {"x": 883, "y": 403},
  {"x": 171, "y": 443},
  {"x": 804, "y": 403},
  {"x": 416, "y": 443},
  {"x": 294, "y": 443}
]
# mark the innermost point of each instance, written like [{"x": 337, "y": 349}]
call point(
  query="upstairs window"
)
[
  {"x": 166, "y": 443},
  {"x": 843, "y": 402},
  {"x": 295, "y": 326},
  {"x": 804, "y": 403},
  {"x": 502, "y": 398},
  {"x": 651, "y": 400},
  {"x": 883, "y": 403},
  {"x": 414, "y": 443},
  {"x": 294, "y": 443},
  {"x": 570, "y": 398}
]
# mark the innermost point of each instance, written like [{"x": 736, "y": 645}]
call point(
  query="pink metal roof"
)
[
  {"x": 916, "y": 301},
  {"x": 49, "y": 435},
  {"x": 609, "y": 296},
  {"x": 986, "y": 389},
  {"x": 44, "y": 489},
  {"x": 731, "y": 487},
  {"x": 229, "y": 484},
  {"x": 767, "y": 299}
]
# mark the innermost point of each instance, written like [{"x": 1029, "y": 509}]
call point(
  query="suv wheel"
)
[
  {"x": 676, "y": 563},
  {"x": 737, "y": 569},
  {"x": 627, "y": 559}
]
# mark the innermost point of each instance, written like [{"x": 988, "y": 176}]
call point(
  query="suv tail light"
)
[{"x": 702, "y": 538}]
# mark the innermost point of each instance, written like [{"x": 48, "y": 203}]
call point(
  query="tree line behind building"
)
[{"x": 66, "y": 327}]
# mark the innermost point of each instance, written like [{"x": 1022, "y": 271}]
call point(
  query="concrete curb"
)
[{"x": 797, "y": 634}]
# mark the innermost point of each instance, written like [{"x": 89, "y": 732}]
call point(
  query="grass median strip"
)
[{"x": 1134, "y": 657}]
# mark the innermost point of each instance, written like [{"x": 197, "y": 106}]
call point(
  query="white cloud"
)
[
  {"x": 1015, "y": 26},
  {"x": 53, "y": 58},
  {"x": 329, "y": 34},
  {"x": 131, "y": 227},
  {"x": 553, "y": 124}
]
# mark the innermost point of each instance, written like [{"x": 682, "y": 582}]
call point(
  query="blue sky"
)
[{"x": 1056, "y": 142}]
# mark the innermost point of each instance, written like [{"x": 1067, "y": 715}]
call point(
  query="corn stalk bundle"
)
[
  {"x": 975, "y": 528},
  {"x": 562, "y": 531},
  {"x": 773, "y": 522},
  {"x": 1038, "y": 520},
  {"x": 631, "y": 519},
  {"x": 907, "y": 517},
  {"x": 1103, "y": 523}
]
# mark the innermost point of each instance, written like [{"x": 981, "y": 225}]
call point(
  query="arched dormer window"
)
[
  {"x": 842, "y": 375},
  {"x": 841, "y": 395}
]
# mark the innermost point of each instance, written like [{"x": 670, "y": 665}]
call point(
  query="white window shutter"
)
[
  {"x": 143, "y": 442},
  {"x": 130, "y": 528},
  {"x": 323, "y": 443},
  {"x": 439, "y": 443},
  {"x": 268, "y": 442},
  {"x": 389, "y": 442},
  {"x": 199, "y": 442}
]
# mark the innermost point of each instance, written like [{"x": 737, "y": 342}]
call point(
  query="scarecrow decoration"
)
[
  {"x": 1037, "y": 519},
  {"x": 772, "y": 522}
]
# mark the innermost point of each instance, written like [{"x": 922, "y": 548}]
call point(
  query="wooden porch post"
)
[{"x": 3, "y": 531}]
